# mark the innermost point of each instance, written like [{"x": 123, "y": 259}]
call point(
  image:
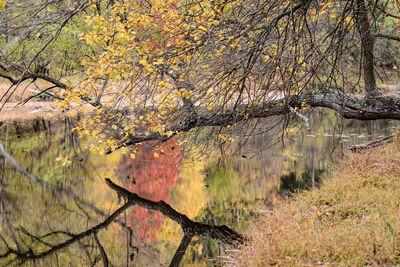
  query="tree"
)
[{"x": 156, "y": 69}]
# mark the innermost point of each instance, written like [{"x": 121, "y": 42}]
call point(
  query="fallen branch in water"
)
[
  {"x": 29, "y": 254},
  {"x": 376, "y": 143},
  {"x": 190, "y": 228},
  {"x": 220, "y": 233}
]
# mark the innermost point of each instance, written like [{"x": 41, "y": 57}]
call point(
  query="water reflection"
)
[
  {"x": 151, "y": 174},
  {"x": 206, "y": 190}
]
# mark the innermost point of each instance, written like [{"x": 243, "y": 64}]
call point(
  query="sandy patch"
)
[{"x": 29, "y": 111}]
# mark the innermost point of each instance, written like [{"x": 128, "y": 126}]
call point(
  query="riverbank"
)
[{"x": 353, "y": 219}]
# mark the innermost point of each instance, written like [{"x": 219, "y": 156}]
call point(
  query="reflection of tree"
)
[
  {"x": 190, "y": 228},
  {"x": 295, "y": 181},
  {"x": 42, "y": 246},
  {"x": 151, "y": 174}
]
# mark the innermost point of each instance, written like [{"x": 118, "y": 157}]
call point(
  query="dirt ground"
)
[
  {"x": 28, "y": 111},
  {"x": 15, "y": 110}
]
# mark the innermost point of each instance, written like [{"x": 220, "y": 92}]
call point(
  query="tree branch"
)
[
  {"x": 220, "y": 233},
  {"x": 189, "y": 227},
  {"x": 176, "y": 260},
  {"x": 102, "y": 251},
  {"x": 31, "y": 255},
  {"x": 383, "y": 107},
  {"x": 371, "y": 144},
  {"x": 387, "y": 36}
]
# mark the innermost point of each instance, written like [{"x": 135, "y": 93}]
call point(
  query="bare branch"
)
[
  {"x": 387, "y": 36},
  {"x": 189, "y": 227},
  {"x": 220, "y": 233},
  {"x": 176, "y": 260},
  {"x": 31, "y": 255},
  {"x": 102, "y": 251},
  {"x": 371, "y": 144}
]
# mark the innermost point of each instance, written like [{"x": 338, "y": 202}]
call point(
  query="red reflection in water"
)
[{"x": 150, "y": 177}]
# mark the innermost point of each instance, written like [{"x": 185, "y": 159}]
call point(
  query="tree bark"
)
[
  {"x": 367, "y": 48},
  {"x": 176, "y": 260},
  {"x": 384, "y": 107}
]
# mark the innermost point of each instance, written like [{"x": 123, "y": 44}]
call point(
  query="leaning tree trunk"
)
[{"x": 367, "y": 48}]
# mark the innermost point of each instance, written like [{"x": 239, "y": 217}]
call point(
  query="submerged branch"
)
[
  {"x": 176, "y": 260},
  {"x": 55, "y": 189},
  {"x": 190, "y": 228},
  {"x": 31, "y": 255},
  {"x": 376, "y": 143},
  {"x": 220, "y": 233},
  {"x": 102, "y": 251}
]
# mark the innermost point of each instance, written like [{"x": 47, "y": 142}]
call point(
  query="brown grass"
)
[{"x": 353, "y": 219}]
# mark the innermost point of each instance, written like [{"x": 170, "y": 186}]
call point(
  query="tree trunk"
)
[{"x": 367, "y": 48}]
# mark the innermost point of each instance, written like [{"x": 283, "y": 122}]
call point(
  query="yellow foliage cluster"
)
[{"x": 145, "y": 51}]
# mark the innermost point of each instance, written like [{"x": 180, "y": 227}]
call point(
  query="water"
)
[{"x": 205, "y": 188}]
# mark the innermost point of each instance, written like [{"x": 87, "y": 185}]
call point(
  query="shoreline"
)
[
  {"x": 352, "y": 219},
  {"x": 33, "y": 116}
]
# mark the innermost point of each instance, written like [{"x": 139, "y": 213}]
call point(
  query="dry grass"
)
[{"x": 352, "y": 220}]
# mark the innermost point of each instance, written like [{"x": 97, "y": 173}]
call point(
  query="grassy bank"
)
[{"x": 353, "y": 219}]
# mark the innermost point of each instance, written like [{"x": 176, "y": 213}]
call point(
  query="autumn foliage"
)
[
  {"x": 167, "y": 60},
  {"x": 352, "y": 220},
  {"x": 152, "y": 176}
]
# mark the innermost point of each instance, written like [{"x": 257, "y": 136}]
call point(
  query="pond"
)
[{"x": 231, "y": 191}]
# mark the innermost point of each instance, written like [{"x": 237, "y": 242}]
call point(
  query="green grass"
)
[{"x": 353, "y": 219}]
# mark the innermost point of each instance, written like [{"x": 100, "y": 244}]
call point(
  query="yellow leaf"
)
[
  {"x": 142, "y": 62},
  {"x": 73, "y": 112}
]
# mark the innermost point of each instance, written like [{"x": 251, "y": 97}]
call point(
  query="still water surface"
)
[{"x": 204, "y": 188}]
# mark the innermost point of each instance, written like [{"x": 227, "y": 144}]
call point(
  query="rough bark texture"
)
[
  {"x": 385, "y": 107},
  {"x": 367, "y": 48}
]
